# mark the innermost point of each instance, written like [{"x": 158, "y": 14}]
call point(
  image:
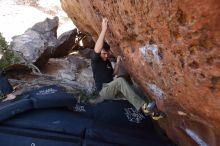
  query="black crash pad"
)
[
  {"x": 48, "y": 121},
  {"x": 45, "y": 97}
]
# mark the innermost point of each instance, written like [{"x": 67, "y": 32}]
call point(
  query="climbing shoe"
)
[
  {"x": 157, "y": 115},
  {"x": 147, "y": 108}
]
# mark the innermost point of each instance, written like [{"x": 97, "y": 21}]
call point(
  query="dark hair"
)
[{"x": 106, "y": 47}]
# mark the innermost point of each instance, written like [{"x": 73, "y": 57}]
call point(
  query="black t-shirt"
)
[{"x": 102, "y": 70}]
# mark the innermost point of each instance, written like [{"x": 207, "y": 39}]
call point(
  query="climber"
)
[
  {"x": 6, "y": 90},
  {"x": 109, "y": 88}
]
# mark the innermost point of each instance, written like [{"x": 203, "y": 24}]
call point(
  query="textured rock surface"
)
[
  {"x": 40, "y": 43},
  {"x": 172, "y": 50},
  {"x": 37, "y": 42},
  {"x": 73, "y": 70},
  {"x": 65, "y": 43}
]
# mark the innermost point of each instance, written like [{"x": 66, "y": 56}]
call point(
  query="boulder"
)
[
  {"x": 73, "y": 70},
  {"x": 171, "y": 49},
  {"x": 37, "y": 43},
  {"x": 78, "y": 62},
  {"x": 65, "y": 43},
  {"x": 86, "y": 52},
  {"x": 83, "y": 73},
  {"x": 88, "y": 42},
  {"x": 85, "y": 78}
]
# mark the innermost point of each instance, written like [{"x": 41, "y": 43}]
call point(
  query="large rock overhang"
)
[{"x": 172, "y": 50}]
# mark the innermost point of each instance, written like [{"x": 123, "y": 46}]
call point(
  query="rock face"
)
[{"x": 172, "y": 50}]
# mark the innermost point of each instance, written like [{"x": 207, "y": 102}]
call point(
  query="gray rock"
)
[
  {"x": 85, "y": 78},
  {"x": 86, "y": 52},
  {"x": 65, "y": 43},
  {"x": 38, "y": 40},
  {"x": 60, "y": 69},
  {"x": 66, "y": 74},
  {"x": 88, "y": 42},
  {"x": 78, "y": 62},
  {"x": 72, "y": 70}
]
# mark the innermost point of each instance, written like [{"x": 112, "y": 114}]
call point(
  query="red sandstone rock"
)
[{"x": 172, "y": 50}]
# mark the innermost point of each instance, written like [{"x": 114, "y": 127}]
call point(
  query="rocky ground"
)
[
  {"x": 42, "y": 43},
  {"x": 45, "y": 59},
  {"x": 16, "y": 16}
]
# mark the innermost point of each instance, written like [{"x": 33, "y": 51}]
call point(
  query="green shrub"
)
[{"x": 8, "y": 56}]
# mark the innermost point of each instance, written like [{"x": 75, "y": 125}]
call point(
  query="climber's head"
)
[{"x": 105, "y": 51}]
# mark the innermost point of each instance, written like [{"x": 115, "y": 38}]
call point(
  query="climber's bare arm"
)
[{"x": 99, "y": 42}]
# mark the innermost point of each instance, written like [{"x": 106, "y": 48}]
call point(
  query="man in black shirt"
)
[
  {"x": 103, "y": 76},
  {"x": 101, "y": 67}
]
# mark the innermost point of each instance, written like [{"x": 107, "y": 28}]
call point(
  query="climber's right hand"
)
[{"x": 104, "y": 24}]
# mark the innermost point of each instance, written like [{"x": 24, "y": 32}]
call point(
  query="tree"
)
[{"x": 7, "y": 56}]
